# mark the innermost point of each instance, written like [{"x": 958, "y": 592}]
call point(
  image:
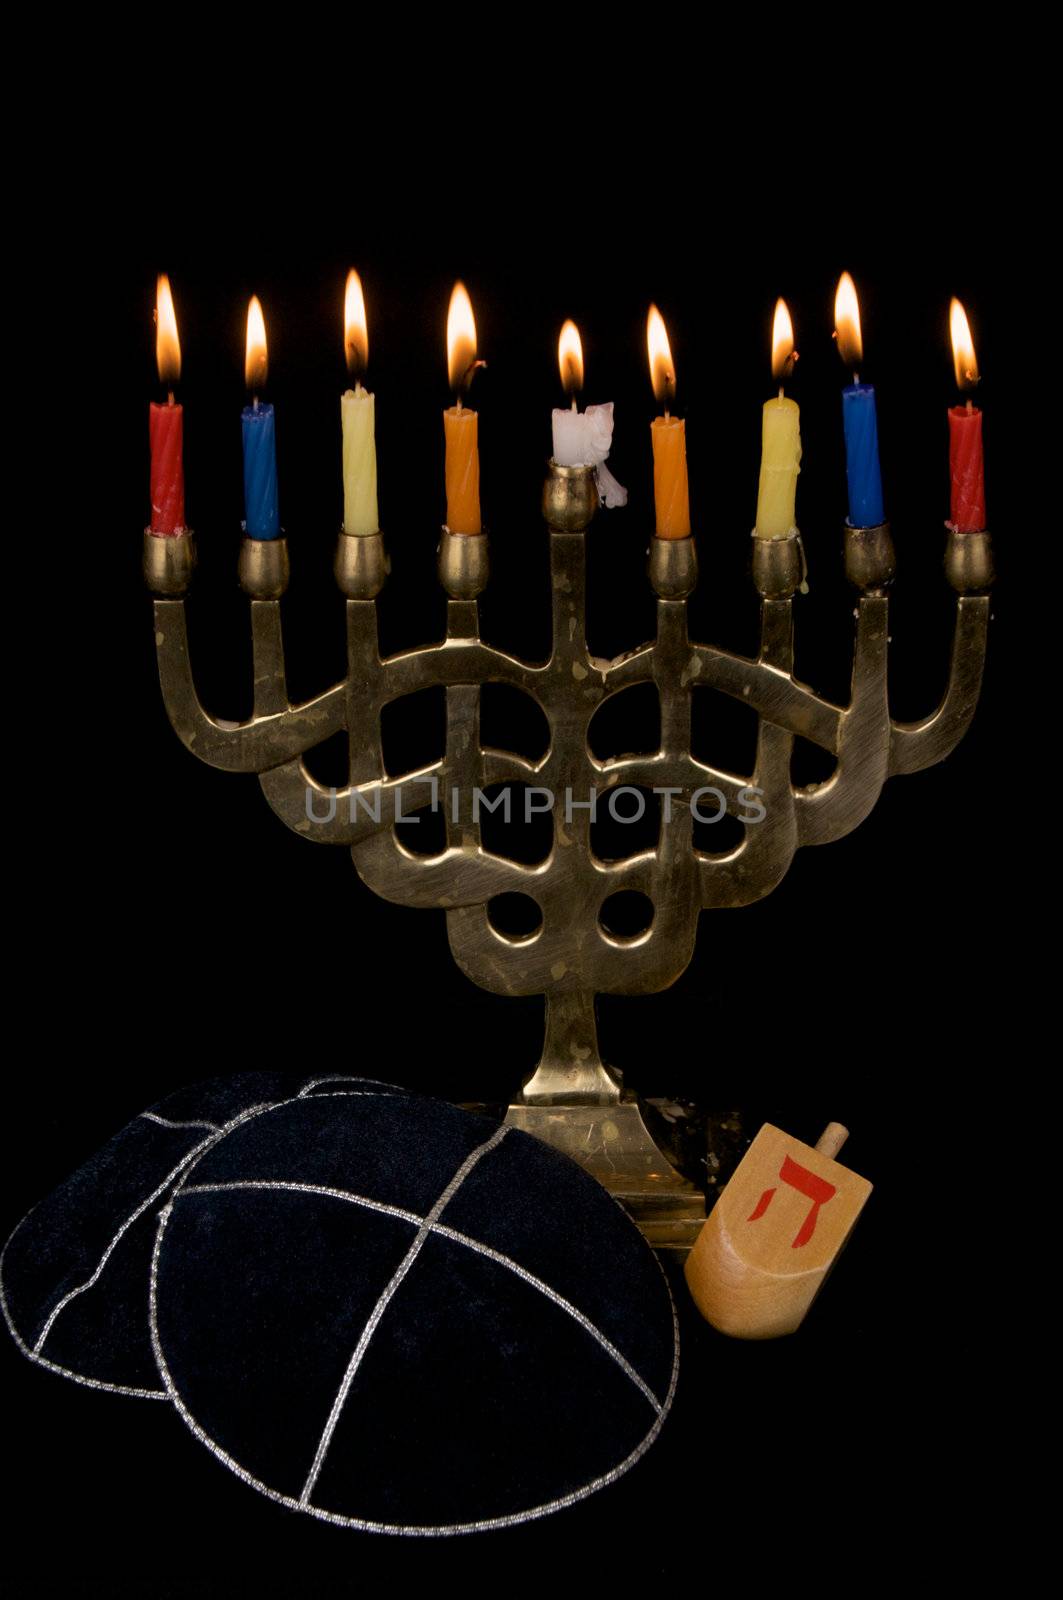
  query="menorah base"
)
[{"x": 614, "y": 1145}]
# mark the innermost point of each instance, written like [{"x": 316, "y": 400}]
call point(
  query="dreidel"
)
[{"x": 774, "y": 1234}]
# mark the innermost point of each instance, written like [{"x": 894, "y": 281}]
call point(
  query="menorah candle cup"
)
[
  {"x": 969, "y": 561},
  {"x": 263, "y": 568},
  {"x": 361, "y": 565},
  {"x": 463, "y": 564},
  {"x": 774, "y": 1234},
  {"x": 673, "y": 567},
  {"x": 169, "y": 561},
  {"x": 570, "y": 498},
  {"x": 870, "y": 562},
  {"x": 778, "y": 566}
]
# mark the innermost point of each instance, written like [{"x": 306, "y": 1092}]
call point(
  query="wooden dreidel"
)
[{"x": 774, "y": 1234}]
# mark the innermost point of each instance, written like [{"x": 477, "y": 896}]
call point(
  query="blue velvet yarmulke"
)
[
  {"x": 373, "y": 1307},
  {"x": 97, "y": 1231}
]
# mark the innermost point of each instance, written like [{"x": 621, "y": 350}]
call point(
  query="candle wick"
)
[
  {"x": 970, "y": 406},
  {"x": 667, "y": 415},
  {"x": 459, "y": 399},
  {"x": 169, "y": 399},
  {"x": 254, "y": 402},
  {"x": 856, "y": 379},
  {"x": 781, "y": 392},
  {"x": 575, "y": 407},
  {"x": 469, "y": 373}
]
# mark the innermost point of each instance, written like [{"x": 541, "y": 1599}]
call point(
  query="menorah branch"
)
[
  {"x": 252, "y": 746},
  {"x": 915, "y": 745}
]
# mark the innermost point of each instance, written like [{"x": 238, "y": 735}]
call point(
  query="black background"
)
[{"x": 176, "y": 930}]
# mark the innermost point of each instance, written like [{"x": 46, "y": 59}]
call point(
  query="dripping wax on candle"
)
[
  {"x": 583, "y": 438},
  {"x": 358, "y": 419}
]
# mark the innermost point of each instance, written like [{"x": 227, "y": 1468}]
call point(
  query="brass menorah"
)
[{"x": 572, "y": 1099}]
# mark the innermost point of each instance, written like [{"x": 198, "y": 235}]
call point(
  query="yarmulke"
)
[
  {"x": 97, "y": 1230},
  {"x": 373, "y": 1307},
  {"x": 397, "y": 1316}
]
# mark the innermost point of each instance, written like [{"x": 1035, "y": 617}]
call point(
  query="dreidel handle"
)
[{"x": 831, "y": 1139}]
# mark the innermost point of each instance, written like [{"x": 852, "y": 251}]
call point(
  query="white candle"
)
[{"x": 583, "y": 438}]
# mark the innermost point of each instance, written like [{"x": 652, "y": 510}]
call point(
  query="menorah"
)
[{"x": 573, "y": 1099}]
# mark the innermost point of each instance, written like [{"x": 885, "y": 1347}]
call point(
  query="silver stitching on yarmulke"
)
[
  {"x": 429, "y": 1226},
  {"x": 187, "y": 1340},
  {"x": 33, "y": 1328}
]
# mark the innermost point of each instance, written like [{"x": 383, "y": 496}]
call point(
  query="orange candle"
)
[
  {"x": 459, "y": 423},
  {"x": 670, "y": 493}
]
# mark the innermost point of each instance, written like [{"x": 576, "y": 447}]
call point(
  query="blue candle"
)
[
  {"x": 261, "y": 516},
  {"x": 861, "y": 456},
  {"x": 858, "y": 415}
]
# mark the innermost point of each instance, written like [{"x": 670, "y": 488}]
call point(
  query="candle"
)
[
  {"x": 358, "y": 420},
  {"x": 780, "y": 457},
  {"x": 583, "y": 438},
  {"x": 166, "y": 422},
  {"x": 261, "y": 516},
  {"x": 670, "y": 493},
  {"x": 858, "y": 415},
  {"x": 459, "y": 423},
  {"x": 967, "y": 509}
]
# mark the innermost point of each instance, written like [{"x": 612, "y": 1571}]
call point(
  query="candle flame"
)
[
  {"x": 167, "y": 344},
  {"x": 662, "y": 371},
  {"x": 847, "y": 322},
  {"x": 256, "y": 363},
  {"x": 963, "y": 356},
  {"x": 355, "y": 331},
  {"x": 783, "y": 354},
  {"x": 461, "y": 339},
  {"x": 570, "y": 358}
]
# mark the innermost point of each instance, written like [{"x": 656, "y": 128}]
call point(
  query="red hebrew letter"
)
[
  {"x": 761, "y": 1206},
  {"x": 818, "y": 1190}
]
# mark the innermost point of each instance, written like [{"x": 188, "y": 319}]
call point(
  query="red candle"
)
[
  {"x": 967, "y": 512},
  {"x": 166, "y": 424}
]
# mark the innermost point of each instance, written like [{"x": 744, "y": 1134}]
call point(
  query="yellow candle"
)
[
  {"x": 462, "y": 470},
  {"x": 780, "y": 459},
  {"x": 358, "y": 421},
  {"x": 357, "y": 412},
  {"x": 671, "y": 497},
  {"x": 780, "y": 462},
  {"x": 459, "y": 423}
]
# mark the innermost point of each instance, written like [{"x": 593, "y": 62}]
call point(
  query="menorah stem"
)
[
  {"x": 575, "y": 1103},
  {"x": 570, "y": 1071}
]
